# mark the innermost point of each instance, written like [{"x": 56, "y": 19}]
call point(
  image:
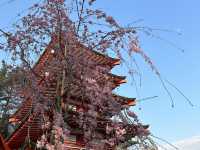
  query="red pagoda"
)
[{"x": 28, "y": 122}]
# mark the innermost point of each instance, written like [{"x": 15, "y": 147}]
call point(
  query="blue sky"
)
[{"x": 182, "y": 69}]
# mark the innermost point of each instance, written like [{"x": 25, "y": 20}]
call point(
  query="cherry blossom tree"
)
[{"x": 69, "y": 23}]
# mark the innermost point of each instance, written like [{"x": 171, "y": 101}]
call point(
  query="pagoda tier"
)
[
  {"x": 30, "y": 125},
  {"x": 22, "y": 112},
  {"x": 50, "y": 93},
  {"x": 81, "y": 51}
]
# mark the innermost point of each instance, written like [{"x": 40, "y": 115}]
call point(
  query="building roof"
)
[{"x": 31, "y": 126}]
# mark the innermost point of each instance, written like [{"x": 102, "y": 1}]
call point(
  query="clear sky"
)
[{"x": 182, "y": 69}]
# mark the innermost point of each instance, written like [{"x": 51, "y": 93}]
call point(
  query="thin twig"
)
[
  {"x": 80, "y": 16},
  {"x": 163, "y": 140},
  {"x": 168, "y": 92},
  {"x": 179, "y": 91},
  {"x": 147, "y": 98}
]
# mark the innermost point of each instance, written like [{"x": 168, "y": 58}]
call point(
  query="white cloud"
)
[{"x": 187, "y": 144}]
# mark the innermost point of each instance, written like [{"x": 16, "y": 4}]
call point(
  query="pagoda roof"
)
[
  {"x": 80, "y": 50},
  {"x": 117, "y": 80},
  {"x": 22, "y": 111},
  {"x": 126, "y": 101},
  {"x": 30, "y": 126}
]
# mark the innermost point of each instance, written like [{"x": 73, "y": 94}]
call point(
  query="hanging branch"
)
[
  {"x": 80, "y": 15},
  {"x": 167, "y": 142},
  {"x": 169, "y": 94},
  {"x": 180, "y": 92},
  {"x": 147, "y": 98}
]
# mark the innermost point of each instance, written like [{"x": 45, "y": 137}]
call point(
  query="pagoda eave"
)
[{"x": 126, "y": 101}]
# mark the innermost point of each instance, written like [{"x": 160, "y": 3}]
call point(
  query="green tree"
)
[{"x": 9, "y": 102}]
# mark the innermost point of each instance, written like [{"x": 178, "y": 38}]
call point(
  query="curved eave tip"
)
[
  {"x": 13, "y": 120},
  {"x": 116, "y": 62},
  {"x": 131, "y": 102},
  {"x": 122, "y": 81}
]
